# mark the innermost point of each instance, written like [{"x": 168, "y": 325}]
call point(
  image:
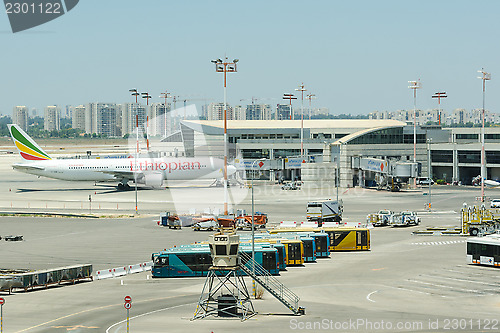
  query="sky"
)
[{"x": 355, "y": 56}]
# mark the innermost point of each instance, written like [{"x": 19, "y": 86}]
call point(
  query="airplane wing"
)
[
  {"x": 119, "y": 174},
  {"x": 27, "y": 167}
]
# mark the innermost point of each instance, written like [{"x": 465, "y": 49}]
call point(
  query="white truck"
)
[
  {"x": 404, "y": 219},
  {"x": 325, "y": 211},
  {"x": 207, "y": 224},
  {"x": 379, "y": 219}
]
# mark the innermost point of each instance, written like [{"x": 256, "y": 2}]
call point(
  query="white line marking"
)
[
  {"x": 444, "y": 286},
  {"x": 146, "y": 314},
  {"x": 368, "y": 296},
  {"x": 461, "y": 280}
]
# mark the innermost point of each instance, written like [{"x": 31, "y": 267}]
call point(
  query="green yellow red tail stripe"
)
[{"x": 28, "y": 148}]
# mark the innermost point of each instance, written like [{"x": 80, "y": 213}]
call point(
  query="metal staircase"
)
[{"x": 270, "y": 283}]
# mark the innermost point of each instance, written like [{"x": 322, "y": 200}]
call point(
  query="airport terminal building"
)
[{"x": 330, "y": 145}]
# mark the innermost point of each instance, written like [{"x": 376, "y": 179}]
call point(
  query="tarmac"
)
[{"x": 406, "y": 283}]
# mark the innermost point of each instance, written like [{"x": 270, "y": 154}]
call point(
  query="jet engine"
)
[{"x": 152, "y": 179}]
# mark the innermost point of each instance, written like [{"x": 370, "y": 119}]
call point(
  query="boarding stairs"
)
[{"x": 270, "y": 283}]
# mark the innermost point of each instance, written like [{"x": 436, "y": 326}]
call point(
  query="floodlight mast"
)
[
  {"x": 439, "y": 95},
  {"x": 485, "y": 76},
  {"x": 225, "y": 67},
  {"x": 165, "y": 95},
  {"x": 310, "y": 97},
  {"x": 134, "y": 93},
  {"x": 301, "y": 88},
  {"x": 415, "y": 85},
  {"x": 289, "y": 97}
]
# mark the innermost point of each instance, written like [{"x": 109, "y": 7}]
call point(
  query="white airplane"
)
[
  {"x": 487, "y": 182},
  {"x": 148, "y": 171}
]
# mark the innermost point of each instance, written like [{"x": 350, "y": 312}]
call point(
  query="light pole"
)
[
  {"x": 225, "y": 67},
  {"x": 414, "y": 85},
  {"x": 310, "y": 97},
  {"x": 429, "y": 174},
  {"x": 146, "y": 96},
  {"x": 485, "y": 76},
  {"x": 253, "y": 222},
  {"x": 439, "y": 95},
  {"x": 290, "y": 97},
  {"x": 301, "y": 88},
  {"x": 134, "y": 93},
  {"x": 165, "y": 95},
  {"x": 135, "y": 158}
]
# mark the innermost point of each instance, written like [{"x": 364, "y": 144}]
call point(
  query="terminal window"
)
[
  {"x": 467, "y": 136},
  {"x": 442, "y": 156},
  {"x": 469, "y": 156}
]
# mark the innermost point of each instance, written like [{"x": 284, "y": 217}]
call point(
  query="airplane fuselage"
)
[{"x": 112, "y": 169}]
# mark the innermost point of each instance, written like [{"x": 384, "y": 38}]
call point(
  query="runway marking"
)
[
  {"x": 90, "y": 310},
  {"x": 378, "y": 269},
  {"x": 72, "y": 328},
  {"x": 444, "y": 286},
  {"x": 440, "y": 243},
  {"x": 368, "y": 296},
  {"x": 462, "y": 280},
  {"x": 415, "y": 291},
  {"x": 146, "y": 314}
]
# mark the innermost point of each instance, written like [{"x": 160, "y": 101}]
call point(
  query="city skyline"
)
[{"x": 355, "y": 57}]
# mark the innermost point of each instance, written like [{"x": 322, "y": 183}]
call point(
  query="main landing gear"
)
[{"x": 123, "y": 187}]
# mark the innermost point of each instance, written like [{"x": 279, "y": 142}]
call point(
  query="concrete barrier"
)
[
  {"x": 122, "y": 271},
  {"x": 288, "y": 224},
  {"x": 355, "y": 225},
  {"x": 148, "y": 266},
  {"x": 104, "y": 274},
  {"x": 132, "y": 269},
  {"x": 308, "y": 224},
  {"x": 332, "y": 224},
  {"x": 119, "y": 271}
]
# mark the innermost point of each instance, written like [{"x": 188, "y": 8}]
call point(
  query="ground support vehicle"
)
[
  {"x": 484, "y": 250},
  {"x": 206, "y": 224},
  {"x": 477, "y": 220},
  {"x": 495, "y": 203},
  {"x": 348, "y": 239},
  {"x": 291, "y": 186},
  {"x": 404, "y": 219},
  {"x": 245, "y": 221},
  {"x": 324, "y": 211},
  {"x": 340, "y": 238},
  {"x": 196, "y": 260},
  {"x": 379, "y": 219}
]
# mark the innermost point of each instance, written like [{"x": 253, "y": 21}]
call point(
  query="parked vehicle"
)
[
  {"x": 208, "y": 224},
  {"x": 495, "y": 203},
  {"x": 404, "y": 219},
  {"x": 424, "y": 181},
  {"x": 324, "y": 211},
  {"x": 379, "y": 219},
  {"x": 295, "y": 185},
  {"x": 260, "y": 221}
]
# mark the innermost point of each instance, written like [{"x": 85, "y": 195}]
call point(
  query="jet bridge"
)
[{"x": 389, "y": 174}]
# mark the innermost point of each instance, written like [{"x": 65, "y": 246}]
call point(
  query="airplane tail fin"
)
[{"x": 27, "y": 147}]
